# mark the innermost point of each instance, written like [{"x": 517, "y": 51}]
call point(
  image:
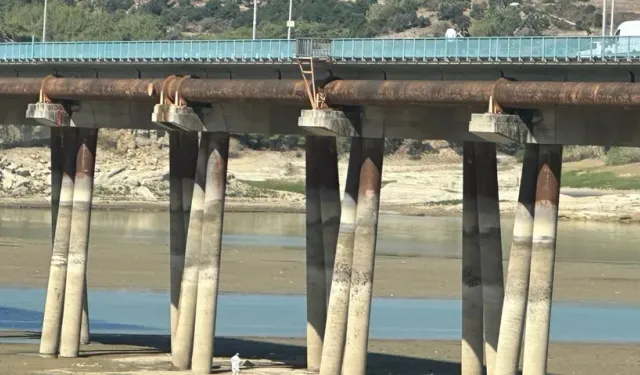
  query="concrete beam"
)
[
  {"x": 328, "y": 122},
  {"x": 50, "y": 114},
  {"x": 499, "y": 128},
  {"x": 175, "y": 117}
]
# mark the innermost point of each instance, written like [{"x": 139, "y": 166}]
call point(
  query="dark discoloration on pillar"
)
[
  {"x": 316, "y": 278},
  {"x": 336, "y": 329},
  {"x": 329, "y": 189},
  {"x": 79, "y": 243},
  {"x": 177, "y": 228},
  {"x": 490, "y": 247},
  {"x": 472, "y": 355},
  {"x": 209, "y": 270},
  {"x": 183, "y": 346},
  {"x": 542, "y": 261},
  {"x": 62, "y": 202},
  {"x": 516, "y": 291},
  {"x": 355, "y": 358},
  {"x": 189, "y": 151}
]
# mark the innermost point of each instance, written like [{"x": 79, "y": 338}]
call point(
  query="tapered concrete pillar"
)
[
  {"x": 336, "y": 327},
  {"x": 209, "y": 272},
  {"x": 472, "y": 355},
  {"x": 62, "y": 203},
  {"x": 182, "y": 349},
  {"x": 517, "y": 287},
  {"x": 79, "y": 243},
  {"x": 490, "y": 247},
  {"x": 177, "y": 228},
  {"x": 85, "y": 334},
  {"x": 545, "y": 227},
  {"x": 189, "y": 148},
  {"x": 364, "y": 250},
  {"x": 329, "y": 187},
  {"x": 316, "y": 277}
]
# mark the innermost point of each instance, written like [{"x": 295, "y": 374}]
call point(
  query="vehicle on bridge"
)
[{"x": 624, "y": 43}]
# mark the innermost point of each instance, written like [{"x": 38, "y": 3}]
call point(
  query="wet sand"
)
[
  {"x": 114, "y": 354},
  {"x": 282, "y": 271}
]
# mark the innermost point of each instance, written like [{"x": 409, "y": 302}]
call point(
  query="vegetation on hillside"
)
[{"x": 21, "y": 20}]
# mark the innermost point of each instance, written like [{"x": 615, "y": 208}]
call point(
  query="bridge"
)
[{"x": 544, "y": 92}]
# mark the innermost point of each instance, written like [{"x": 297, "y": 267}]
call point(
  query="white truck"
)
[{"x": 624, "y": 43}]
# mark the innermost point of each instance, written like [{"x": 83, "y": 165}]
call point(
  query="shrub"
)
[{"x": 622, "y": 155}]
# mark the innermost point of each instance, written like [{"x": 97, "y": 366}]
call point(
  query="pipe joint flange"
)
[{"x": 43, "y": 97}]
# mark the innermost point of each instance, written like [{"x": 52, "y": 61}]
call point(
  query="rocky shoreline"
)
[{"x": 132, "y": 173}]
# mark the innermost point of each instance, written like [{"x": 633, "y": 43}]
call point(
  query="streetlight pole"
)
[
  {"x": 613, "y": 4},
  {"x": 604, "y": 17},
  {"x": 289, "y": 24},
  {"x": 255, "y": 17},
  {"x": 44, "y": 22}
]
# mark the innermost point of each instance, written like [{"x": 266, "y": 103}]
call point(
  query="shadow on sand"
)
[{"x": 289, "y": 355}]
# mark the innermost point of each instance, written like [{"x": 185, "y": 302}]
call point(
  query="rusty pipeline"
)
[{"x": 508, "y": 94}]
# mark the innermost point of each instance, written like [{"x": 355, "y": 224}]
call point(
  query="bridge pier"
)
[
  {"x": 364, "y": 248},
  {"x": 316, "y": 276},
  {"x": 542, "y": 261},
  {"x": 63, "y": 165},
  {"x": 209, "y": 272},
  {"x": 329, "y": 191},
  {"x": 490, "y": 247},
  {"x": 183, "y": 346},
  {"x": 75, "y": 290},
  {"x": 517, "y": 284},
  {"x": 337, "y": 312},
  {"x": 472, "y": 355}
]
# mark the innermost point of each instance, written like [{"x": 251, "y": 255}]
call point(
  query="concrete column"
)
[
  {"x": 62, "y": 202},
  {"x": 182, "y": 349},
  {"x": 78, "y": 245},
  {"x": 329, "y": 187},
  {"x": 209, "y": 273},
  {"x": 177, "y": 228},
  {"x": 472, "y": 355},
  {"x": 490, "y": 247},
  {"x": 336, "y": 327},
  {"x": 316, "y": 277},
  {"x": 85, "y": 338},
  {"x": 189, "y": 149},
  {"x": 517, "y": 288},
  {"x": 364, "y": 250},
  {"x": 543, "y": 254}
]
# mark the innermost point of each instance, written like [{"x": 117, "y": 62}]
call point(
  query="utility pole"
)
[
  {"x": 44, "y": 23},
  {"x": 290, "y": 23},
  {"x": 604, "y": 17},
  {"x": 255, "y": 17},
  {"x": 613, "y": 5}
]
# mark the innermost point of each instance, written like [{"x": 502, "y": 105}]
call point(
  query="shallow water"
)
[
  {"x": 130, "y": 311},
  {"x": 398, "y": 235},
  {"x": 137, "y": 312}
]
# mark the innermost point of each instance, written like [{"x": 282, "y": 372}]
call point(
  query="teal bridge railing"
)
[{"x": 426, "y": 50}]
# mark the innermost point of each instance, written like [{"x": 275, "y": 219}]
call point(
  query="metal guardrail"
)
[
  {"x": 233, "y": 51},
  {"x": 520, "y": 49},
  {"x": 427, "y": 50},
  {"x": 314, "y": 48}
]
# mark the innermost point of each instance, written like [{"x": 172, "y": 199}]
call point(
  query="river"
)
[{"x": 284, "y": 315}]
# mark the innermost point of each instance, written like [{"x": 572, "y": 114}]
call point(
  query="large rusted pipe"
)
[{"x": 507, "y": 93}]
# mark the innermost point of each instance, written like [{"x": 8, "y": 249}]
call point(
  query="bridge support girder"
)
[{"x": 50, "y": 114}]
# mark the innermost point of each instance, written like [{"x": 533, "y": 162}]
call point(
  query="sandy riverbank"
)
[
  {"x": 132, "y": 174},
  {"x": 146, "y": 355}
]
